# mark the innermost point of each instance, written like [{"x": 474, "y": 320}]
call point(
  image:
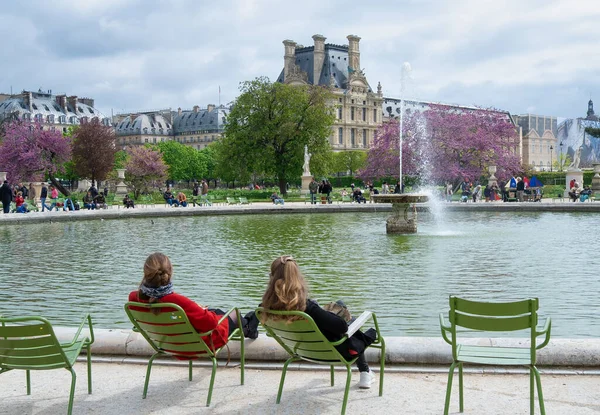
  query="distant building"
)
[
  {"x": 196, "y": 128},
  {"x": 56, "y": 112},
  {"x": 572, "y": 136},
  {"x": 358, "y": 107},
  {"x": 539, "y": 140}
]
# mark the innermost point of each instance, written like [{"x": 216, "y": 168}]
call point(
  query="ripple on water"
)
[{"x": 63, "y": 270}]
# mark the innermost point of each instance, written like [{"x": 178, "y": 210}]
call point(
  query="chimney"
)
[
  {"x": 289, "y": 58},
  {"x": 61, "y": 100},
  {"x": 353, "y": 52},
  {"x": 196, "y": 108},
  {"x": 318, "y": 57},
  {"x": 87, "y": 101},
  {"x": 210, "y": 107},
  {"x": 73, "y": 102},
  {"x": 179, "y": 111},
  {"x": 28, "y": 99}
]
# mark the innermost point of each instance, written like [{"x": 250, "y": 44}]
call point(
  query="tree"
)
[
  {"x": 351, "y": 161},
  {"x": 444, "y": 144},
  {"x": 28, "y": 152},
  {"x": 145, "y": 169},
  {"x": 184, "y": 162},
  {"x": 94, "y": 148},
  {"x": 269, "y": 125}
]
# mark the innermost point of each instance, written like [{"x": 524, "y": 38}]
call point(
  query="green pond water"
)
[{"x": 63, "y": 270}]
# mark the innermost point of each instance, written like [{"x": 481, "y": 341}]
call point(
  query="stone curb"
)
[{"x": 399, "y": 350}]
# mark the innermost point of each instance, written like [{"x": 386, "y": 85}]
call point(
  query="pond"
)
[{"x": 62, "y": 270}]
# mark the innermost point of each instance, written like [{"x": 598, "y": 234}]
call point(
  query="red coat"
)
[
  {"x": 19, "y": 201},
  {"x": 201, "y": 318}
]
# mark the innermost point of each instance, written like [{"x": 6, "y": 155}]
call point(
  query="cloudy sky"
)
[{"x": 523, "y": 56}]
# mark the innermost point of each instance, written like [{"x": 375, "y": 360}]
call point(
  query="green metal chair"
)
[
  {"x": 170, "y": 333},
  {"x": 32, "y": 206},
  {"x": 494, "y": 317},
  {"x": 303, "y": 340},
  {"x": 29, "y": 343}
]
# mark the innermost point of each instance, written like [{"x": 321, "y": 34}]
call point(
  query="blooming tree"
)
[
  {"x": 446, "y": 144},
  {"x": 145, "y": 169},
  {"x": 94, "y": 148},
  {"x": 28, "y": 152}
]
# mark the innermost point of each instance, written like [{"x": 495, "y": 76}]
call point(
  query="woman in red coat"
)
[{"x": 156, "y": 287}]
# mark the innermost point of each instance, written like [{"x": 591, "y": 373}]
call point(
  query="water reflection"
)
[{"x": 61, "y": 270}]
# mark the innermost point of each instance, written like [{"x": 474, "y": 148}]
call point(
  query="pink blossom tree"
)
[
  {"x": 145, "y": 169},
  {"x": 446, "y": 144},
  {"x": 28, "y": 153}
]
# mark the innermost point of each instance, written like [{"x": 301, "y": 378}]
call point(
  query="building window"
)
[
  {"x": 375, "y": 115},
  {"x": 364, "y": 137},
  {"x": 352, "y": 113},
  {"x": 340, "y": 135},
  {"x": 339, "y": 113},
  {"x": 364, "y": 111},
  {"x": 145, "y": 140},
  {"x": 352, "y": 138}
]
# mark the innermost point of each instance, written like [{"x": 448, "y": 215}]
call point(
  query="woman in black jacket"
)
[{"x": 288, "y": 291}]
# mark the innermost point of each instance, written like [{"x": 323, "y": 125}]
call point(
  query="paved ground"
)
[{"x": 118, "y": 389}]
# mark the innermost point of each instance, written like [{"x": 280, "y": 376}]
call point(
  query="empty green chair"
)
[
  {"x": 303, "y": 340},
  {"x": 29, "y": 343},
  {"x": 494, "y": 317},
  {"x": 170, "y": 333}
]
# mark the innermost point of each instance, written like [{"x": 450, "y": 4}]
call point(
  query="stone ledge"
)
[{"x": 399, "y": 350}]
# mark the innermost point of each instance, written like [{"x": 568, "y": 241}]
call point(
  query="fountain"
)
[{"x": 403, "y": 219}]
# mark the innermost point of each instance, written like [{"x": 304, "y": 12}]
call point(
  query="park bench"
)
[
  {"x": 32, "y": 206},
  {"x": 232, "y": 201},
  {"x": 244, "y": 201},
  {"x": 346, "y": 199}
]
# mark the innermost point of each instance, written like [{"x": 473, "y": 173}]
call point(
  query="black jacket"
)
[
  {"x": 6, "y": 194},
  {"x": 44, "y": 193}
]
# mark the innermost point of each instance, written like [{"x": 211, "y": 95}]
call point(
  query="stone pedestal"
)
[
  {"x": 305, "y": 182},
  {"x": 121, "y": 187},
  {"x": 493, "y": 180},
  {"x": 573, "y": 174},
  {"x": 596, "y": 179},
  {"x": 404, "y": 214},
  {"x": 37, "y": 187},
  {"x": 2, "y": 177}
]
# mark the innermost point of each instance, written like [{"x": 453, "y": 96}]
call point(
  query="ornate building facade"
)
[
  {"x": 358, "y": 107},
  {"x": 56, "y": 112},
  {"x": 573, "y": 137},
  {"x": 539, "y": 133},
  {"x": 196, "y": 127}
]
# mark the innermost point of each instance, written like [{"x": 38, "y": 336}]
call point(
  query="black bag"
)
[{"x": 250, "y": 325}]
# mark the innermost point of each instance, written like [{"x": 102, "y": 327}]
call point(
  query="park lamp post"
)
[{"x": 551, "y": 148}]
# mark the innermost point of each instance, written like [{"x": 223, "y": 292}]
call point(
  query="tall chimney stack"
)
[
  {"x": 318, "y": 57},
  {"x": 353, "y": 52},
  {"x": 289, "y": 58}
]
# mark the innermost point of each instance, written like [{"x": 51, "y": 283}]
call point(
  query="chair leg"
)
[
  {"x": 348, "y": 379},
  {"x": 449, "y": 388},
  {"x": 212, "y": 380},
  {"x": 539, "y": 388},
  {"x": 28, "y": 377},
  {"x": 531, "y": 391},
  {"x": 72, "y": 394},
  {"x": 283, "y": 372},
  {"x": 89, "y": 369},
  {"x": 190, "y": 371},
  {"x": 381, "y": 367},
  {"x": 154, "y": 356},
  {"x": 332, "y": 376},
  {"x": 460, "y": 387}
]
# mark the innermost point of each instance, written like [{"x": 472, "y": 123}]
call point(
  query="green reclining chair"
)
[
  {"x": 29, "y": 343},
  {"x": 494, "y": 317},
  {"x": 303, "y": 340},
  {"x": 170, "y": 333}
]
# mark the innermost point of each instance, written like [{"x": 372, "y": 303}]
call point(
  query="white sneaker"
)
[{"x": 366, "y": 378}]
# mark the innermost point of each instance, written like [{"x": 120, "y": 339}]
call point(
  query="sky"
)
[{"x": 523, "y": 56}]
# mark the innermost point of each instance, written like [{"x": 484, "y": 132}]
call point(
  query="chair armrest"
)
[
  {"x": 87, "y": 318},
  {"x": 445, "y": 328},
  {"x": 545, "y": 330},
  {"x": 359, "y": 322}
]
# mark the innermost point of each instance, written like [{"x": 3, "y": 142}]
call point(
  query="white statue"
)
[{"x": 306, "y": 162}]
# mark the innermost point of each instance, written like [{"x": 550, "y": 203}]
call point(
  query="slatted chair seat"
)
[
  {"x": 494, "y": 317},
  {"x": 170, "y": 333},
  {"x": 29, "y": 343},
  {"x": 303, "y": 340}
]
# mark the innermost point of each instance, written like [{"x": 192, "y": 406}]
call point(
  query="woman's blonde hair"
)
[
  {"x": 157, "y": 273},
  {"x": 287, "y": 289}
]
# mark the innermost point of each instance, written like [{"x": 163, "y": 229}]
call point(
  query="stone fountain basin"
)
[{"x": 400, "y": 198}]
